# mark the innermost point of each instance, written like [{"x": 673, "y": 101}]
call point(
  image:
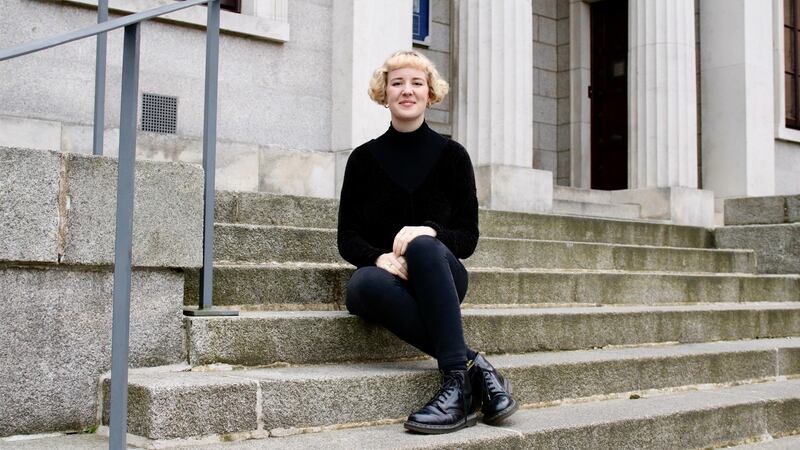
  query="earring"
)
[{"x": 386, "y": 105}]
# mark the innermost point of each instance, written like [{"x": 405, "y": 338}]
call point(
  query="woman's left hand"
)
[{"x": 406, "y": 235}]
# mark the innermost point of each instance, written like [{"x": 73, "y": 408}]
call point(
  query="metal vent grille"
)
[{"x": 159, "y": 113}]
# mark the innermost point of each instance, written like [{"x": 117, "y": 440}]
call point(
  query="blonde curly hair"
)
[{"x": 437, "y": 87}]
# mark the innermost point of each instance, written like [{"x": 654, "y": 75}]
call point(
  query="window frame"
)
[
  {"x": 791, "y": 64},
  {"x": 423, "y": 16}
]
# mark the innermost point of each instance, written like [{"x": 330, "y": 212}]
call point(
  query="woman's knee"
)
[
  {"x": 365, "y": 283},
  {"x": 423, "y": 247}
]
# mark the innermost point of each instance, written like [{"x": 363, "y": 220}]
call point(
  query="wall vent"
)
[{"x": 159, "y": 113}]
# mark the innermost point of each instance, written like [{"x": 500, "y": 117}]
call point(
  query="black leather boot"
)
[
  {"x": 449, "y": 410},
  {"x": 496, "y": 400}
]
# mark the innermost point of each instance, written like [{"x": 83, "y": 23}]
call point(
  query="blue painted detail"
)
[{"x": 421, "y": 20}]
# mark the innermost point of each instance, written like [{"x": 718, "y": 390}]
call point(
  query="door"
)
[{"x": 609, "y": 94}]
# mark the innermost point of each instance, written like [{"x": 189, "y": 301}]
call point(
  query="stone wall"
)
[
  {"x": 768, "y": 225},
  {"x": 551, "y": 113},
  {"x": 56, "y": 278},
  {"x": 440, "y": 52},
  {"x": 274, "y": 98}
]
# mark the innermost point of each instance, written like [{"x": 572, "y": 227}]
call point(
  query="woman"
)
[{"x": 408, "y": 211}]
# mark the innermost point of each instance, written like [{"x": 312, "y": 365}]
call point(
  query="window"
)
[
  {"x": 421, "y": 22},
  {"x": 791, "y": 33}
]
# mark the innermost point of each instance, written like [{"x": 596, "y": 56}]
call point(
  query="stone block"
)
[
  {"x": 168, "y": 408},
  {"x": 562, "y": 9},
  {"x": 547, "y": 83},
  {"x": 563, "y": 84},
  {"x": 793, "y": 209},
  {"x": 563, "y": 55},
  {"x": 297, "y": 173},
  {"x": 777, "y": 247},
  {"x": 544, "y": 160},
  {"x": 545, "y": 8},
  {"x": 440, "y": 11},
  {"x": 756, "y": 210},
  {"x": 544, "y": 56},
  {"x": 440, "y": 37},
  {"x": 275, "y": 286},
  {"x": 545, "y": 110},
  {"x": 168, "y": 213},
  {"x": 511, "y": 188},
  {"x": 682, "y": 206},
  {"x": 547, "y": 31},
  {"x": 55, "y": 341},
  {"x": 562, "y": 30},
  {"x": 30, "y": 133},
  {"x": 29, "y": 205}
]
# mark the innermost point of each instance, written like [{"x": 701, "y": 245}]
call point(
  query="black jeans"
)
[{"x": 424, "y": 311}]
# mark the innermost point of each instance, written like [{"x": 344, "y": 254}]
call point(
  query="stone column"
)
[
  {"x": 662, "y": 117},
  {"x": 365, "y": 33},
  {"x": 494, "y": 111},
  {"x": 663, "y": 95},
  {"x": 737, "y": 79}
]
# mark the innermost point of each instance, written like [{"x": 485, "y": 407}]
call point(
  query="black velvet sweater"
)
[{"x": 406, "y": 179}]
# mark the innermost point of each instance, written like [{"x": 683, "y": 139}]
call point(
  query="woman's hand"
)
[
  {"x": 395, "y": 265},
  {"x": 406, "y": 235}
]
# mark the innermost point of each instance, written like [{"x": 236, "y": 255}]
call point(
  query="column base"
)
[
  {"x": 512, "y": 188},
  {"x": 679, "y": 205}
]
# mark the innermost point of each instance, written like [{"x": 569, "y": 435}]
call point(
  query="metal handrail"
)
[
  {"x": 123, "y": 239},
  {"x": 100, "y": 81}
]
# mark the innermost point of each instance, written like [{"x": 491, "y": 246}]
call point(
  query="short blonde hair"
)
[{"x": 437, "y": 87}]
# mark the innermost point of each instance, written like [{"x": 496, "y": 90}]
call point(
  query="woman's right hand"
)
[{"x": 395, "y": 265}]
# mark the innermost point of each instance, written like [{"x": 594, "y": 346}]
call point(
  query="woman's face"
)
[{"x": 407, "y": 94}]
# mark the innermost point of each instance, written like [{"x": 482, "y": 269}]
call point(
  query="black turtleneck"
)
[{"x": 399, "y": 179}]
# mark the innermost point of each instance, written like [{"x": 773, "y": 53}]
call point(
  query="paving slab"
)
[
  {"x": 304, "y": 286},
  {"x": 266, "y": 337},
  {"x": 259, "y": 243},
  {"x": 186, "y": 404}
]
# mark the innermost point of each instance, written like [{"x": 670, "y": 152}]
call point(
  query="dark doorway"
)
[{"x": 609, "y": 94}]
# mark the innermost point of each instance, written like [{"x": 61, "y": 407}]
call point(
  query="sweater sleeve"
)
[
  {"x": 461, "y": 233},
  {"x": 349, "y": 237}
]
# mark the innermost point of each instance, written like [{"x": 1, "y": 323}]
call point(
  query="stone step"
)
[
  {"x": 285, "y": 401},
  {"x": 260, "y": 243},
  {"x": 271, "y": 209},
  {"x": 616, "y": 211},
  {"x": 304, "y": 286},
  {"x": 300, "y": 337},
  {"x": 581, "y": 195}
]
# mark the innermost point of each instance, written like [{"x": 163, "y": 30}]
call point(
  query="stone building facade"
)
[{"x": 674, "y": 105}]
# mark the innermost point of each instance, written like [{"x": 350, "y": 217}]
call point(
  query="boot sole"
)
[
  {"x": 504, "y": 414},
  {"x": 471, "y": 420}
]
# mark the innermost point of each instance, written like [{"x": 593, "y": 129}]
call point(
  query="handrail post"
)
[
  {"x": 123, "y": 245},
  {"x": 100, "y": 81},
  {"x": 206, "y": 308}
]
